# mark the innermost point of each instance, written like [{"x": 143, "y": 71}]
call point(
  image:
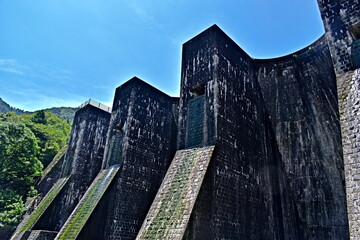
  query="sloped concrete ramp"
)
[
  {"x": 29, "y": 220},
  {"x": 87, "y": 204},
  {"x": 170, "y": 212}
]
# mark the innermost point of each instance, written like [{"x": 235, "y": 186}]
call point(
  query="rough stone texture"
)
[
  {"x": 349, "y": 103},
  {"x": 144, "y": 118},
  {"x": 82, "y": 161},
  {"x": 338, "y": 18},
  {"x": 170, "y": 212},
  {"x": 240, "y": 196},
  {"x": 300, "y": 94},
  {"x": 342, "y": 25}
]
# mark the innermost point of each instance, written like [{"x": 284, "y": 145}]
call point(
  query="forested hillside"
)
[
  {"x": 66, "y": 113},
  {"x": 27, "y": 144},
  {"x": 5, "y": 107}
]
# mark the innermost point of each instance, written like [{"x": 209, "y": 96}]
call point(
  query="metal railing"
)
[{"x": 96, "y": 104}]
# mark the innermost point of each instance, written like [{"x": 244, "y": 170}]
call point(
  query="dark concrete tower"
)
[
  {"x": 199, "y": 105},
  {"x": 142, "y": 116},
  {"x": 221, "y": 105},
  {"x": 82, "y": 162},
  {"x": 142, "y": 140}
]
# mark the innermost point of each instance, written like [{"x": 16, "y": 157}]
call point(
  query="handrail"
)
[{"x": 96, "y": 104}]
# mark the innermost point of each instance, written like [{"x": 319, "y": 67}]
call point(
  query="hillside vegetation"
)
[
  {"x": 27, "y": 144},
  {"x": 5, "y": 107},
  {"x": 65, "y": 113}
]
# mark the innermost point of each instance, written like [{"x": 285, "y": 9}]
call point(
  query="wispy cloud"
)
[
  {"x": 140, "y": 11},
  {"x": 33, "y": 86},
  {"x": 34, "y": 99},
  {"x": 38, "y": 70},
  {"x": 139, "y": 8},
  {"x": 12, "y": 66}
]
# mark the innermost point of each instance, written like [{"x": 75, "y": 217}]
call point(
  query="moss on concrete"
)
[
  {"x": 82, "y": 212},
  {"x": 30, "y": 221}
]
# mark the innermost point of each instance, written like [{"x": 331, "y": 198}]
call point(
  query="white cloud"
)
[
  {"x": 12, "y": 66},
  {"x": 32, "y": 99},
  {"x": 38, "y": 70},
  {"x": 34, "y": 86},
  {"x": 140, "y": 10}
]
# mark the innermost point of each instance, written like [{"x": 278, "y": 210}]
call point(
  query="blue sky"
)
[{"x": 63, "y": 52}]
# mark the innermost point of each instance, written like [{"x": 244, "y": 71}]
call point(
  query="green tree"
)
[
  {"x": 19, "y": 165},
  {"x": 39, "y": 117},
  {"x": 11, "y": 117},
  {"x": 26, "y": 141},
  {"x": 51, "y": 132},
  {"x": 12, "y": 208}
]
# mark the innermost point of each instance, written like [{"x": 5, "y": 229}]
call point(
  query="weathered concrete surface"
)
[
  {"x": 338, "y": 18},
  {"x": 300, "y": 94},
  {"x": 82, "y": 161},
  {"x": 349, "y": 103},
  {"x": 142, "y": 140},
  {"x": 170, "y": 212},
  {"x": 240, "y": 196},
  {"x": 342, "y": 26}
]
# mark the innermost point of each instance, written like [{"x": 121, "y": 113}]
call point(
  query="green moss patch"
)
[
  {"x": 87, "y": 204},
  {"x": 31, "y": 220}
]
